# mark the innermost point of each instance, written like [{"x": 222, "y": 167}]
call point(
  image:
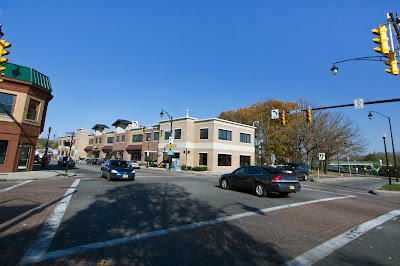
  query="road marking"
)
[
  {"x": 38, "y": 254},
  {"x": 16, "y": 185},
  {"x": 46, "y": 234},
  {"x": 327, "y": 248}
]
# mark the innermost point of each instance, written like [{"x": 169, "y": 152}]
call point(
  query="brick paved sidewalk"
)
[{"x": 23, "y": 211}]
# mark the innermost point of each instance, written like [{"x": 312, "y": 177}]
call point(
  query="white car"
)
[{"x": 135, "y": 164}]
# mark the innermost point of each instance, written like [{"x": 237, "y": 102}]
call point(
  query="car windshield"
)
[{"x": 119, "y": 163}]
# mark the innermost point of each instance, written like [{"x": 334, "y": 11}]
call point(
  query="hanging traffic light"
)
[
  {"x": 3, "y": 51},
  {"x": 383, "y": 40},
  {"x": 283, "y": 120},
  {"x": 308, "y": 115},
  {"x": 161, "y": 132},
  {"x": 142, "y": 130},
  {"x": 392, "y": 62}
]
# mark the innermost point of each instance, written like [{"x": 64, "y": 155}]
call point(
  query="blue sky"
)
[{"x": 110, "y": 60}]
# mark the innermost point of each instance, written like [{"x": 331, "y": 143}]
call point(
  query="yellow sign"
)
[{"x": 170, "y": 146}]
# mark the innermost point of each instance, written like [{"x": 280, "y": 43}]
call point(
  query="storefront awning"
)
[
  {"x": 134, "y": 148},
  {"x": 107, "y": 148},
  {"x": 88, "y": 148}
]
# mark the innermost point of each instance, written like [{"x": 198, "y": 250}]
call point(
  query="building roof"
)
[
  {"x": 121, "y": 121},
  {"x": 98, "y": 126},
  {"x": 14, "y": 71}
]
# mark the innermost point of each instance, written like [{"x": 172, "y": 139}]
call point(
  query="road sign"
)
[
  {"x": 295, "y": 111},
  {"x": 171, "y": 140},
  {"x": 359, "y": 103},
  {"x": 274, "y": 113},
  {"x": 321, "y": 156}
]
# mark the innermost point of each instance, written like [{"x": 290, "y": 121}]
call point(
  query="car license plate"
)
[
  {"x": 125, "y": 176},
  {"x": 291, "y": 187}
]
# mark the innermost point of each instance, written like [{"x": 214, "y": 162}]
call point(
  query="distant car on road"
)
[
  {"x": 135, "y": 164},
  {"x": 300, "y": 170},
  {"x": 64, "y": 160},
  {"x": 101, "y": 161},
  {"x": 262, "y": 180},
  {"x": 117, "y": 169}
]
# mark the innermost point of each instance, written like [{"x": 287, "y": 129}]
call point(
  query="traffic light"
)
[
  {"x": 161, "y": 131},
  {"x": 3, "y": 51},
  {"x": 142, "y": 130},
  {"x": 283, "y": 120},
  {"x": 308, "y": 115},
  {"x": 383, "y": 40},
  {"x": 392, "y": 62}
]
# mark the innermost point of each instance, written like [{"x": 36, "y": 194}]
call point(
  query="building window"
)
[
  {"x": 33, "y": 110},
  {"x": 90, "y": 141},
  {"x": 148, "y": 136},
  {"x": 137, "y": 138},
  {"x": 204, "y": 133},
  {"x": 224, "y": 160},
  {"x": 156, "y": 136},
  {"x": 3, "y": 150},
  {"x": 99, "y": 140},
  {"x": 202, "y": 158},
  {"x": 167, "y": 134},
  {"x": 110, "y": 139},
  {"x": 117, "y": 139},
  {"x": 244, "y": 160},
  {"x": 7, "y": 102},
  {"x": 225, "y": 134},
  {"x": 123, "y": 138},
  {"x": 245, "y": 138},
  {"x": 178, "y": 133}
]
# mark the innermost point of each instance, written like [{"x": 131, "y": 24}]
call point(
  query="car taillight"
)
[{"x": 276, "y": 178}]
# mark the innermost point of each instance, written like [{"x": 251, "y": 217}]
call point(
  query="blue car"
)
[{"x": 117, "y": 169}]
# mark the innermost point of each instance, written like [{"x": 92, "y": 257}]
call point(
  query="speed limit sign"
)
[{"x": 321, "y": 156}]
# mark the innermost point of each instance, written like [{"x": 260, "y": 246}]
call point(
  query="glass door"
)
[{"x": 24, "y": 157}]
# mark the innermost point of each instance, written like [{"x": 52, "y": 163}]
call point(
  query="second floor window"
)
[
  {"x": 245, "y": 138},
  {"x": 110, "y": 139},
  {"x": 137, "y": 138},
  {"x": 90, "y": 141},
  {"x": 7, "y": 101},
  {"x": 123, "y": 138},
  {"x": 225, "y": 134},
  {"x": 178, "y": 133},
  {"x": 117, "y": 138},
  {"x": 156, "y": 136},
  {"x": 148, "y": 136},
  {"x": 33, "y": 110},
  {"x": 204, "y": 133}
]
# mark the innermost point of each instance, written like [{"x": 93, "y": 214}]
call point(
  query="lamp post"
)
[
  {"x": 255, "y": 140},
  {"x": 335, "y": 69},
  {"x": 387, "y": 162},
  {"x": 70, "y": 150},
  {"x": 391, "y": 137},
  {"x": 170, "y": 134},
  {"x": 44, "y": 157}
]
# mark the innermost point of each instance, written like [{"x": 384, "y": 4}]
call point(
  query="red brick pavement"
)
[
  {"x": 264, "y": 239},
  {"x": 23, "y": 211}
]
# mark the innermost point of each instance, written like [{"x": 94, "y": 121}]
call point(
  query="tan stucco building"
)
[{"x": 218, "y": 144}]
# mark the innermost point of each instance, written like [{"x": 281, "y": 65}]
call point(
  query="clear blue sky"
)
[{"x": 110, "y": 60}]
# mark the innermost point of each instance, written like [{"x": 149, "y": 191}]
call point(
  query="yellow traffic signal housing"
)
[
  {"x": 283, "y": 120},
  {"x": 161, "y": 132},
  {"x": 3, "y": 51},
  {"x": 308, "y": 116},
  {"x": 142, "y": 130},
  {"x": 383, "y": 40},
  {"x": 392, "y": 62}
]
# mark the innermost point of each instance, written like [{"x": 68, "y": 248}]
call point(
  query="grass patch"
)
[{"x": 393, "y": 187}]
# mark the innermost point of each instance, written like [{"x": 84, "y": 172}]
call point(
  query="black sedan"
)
[
  {"x": 64, "y": 160},
  {"x": 262, "y": 180},
  {"x": 117, "y": 169}
]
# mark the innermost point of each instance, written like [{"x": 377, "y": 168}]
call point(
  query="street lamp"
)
[
  {"x": 335, "y": 69},
  {"x": 255, "y": 141},
  {"x": 170, "y": 134},
  {"x": 44, "y": 157},
  {"x": 391, "y": 137},
  {"x": 387, "y": 162}
]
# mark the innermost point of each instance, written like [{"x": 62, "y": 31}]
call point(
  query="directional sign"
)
[
  {"x": 359, "y": 103},
  {"x": 295, "y": 111},
  {"x": 321, "y": 156},
  {"x": 274, "y": 113}
]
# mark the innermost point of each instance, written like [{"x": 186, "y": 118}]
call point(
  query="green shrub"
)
[
  {"x": 189, "y": 167},
  {"x": 200, "y": 168},
  {"x": 183, "y": 167}
]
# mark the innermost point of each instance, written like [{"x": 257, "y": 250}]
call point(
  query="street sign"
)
[
  {"x": 359, "y": 103},
  {"x": 295, "y": 111},
  {"x": 170, "y": 146},
  {"x": 274, "y": 113},
  {"x": 170, "y": 152},
  {"x": 171, "y": 140},
  {"x": 321, "y": 156}
]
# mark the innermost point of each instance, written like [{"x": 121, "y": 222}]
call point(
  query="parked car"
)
[
  {"x": 300, "y": 170},
  {"x": 135, "y": 164},
  {"x": 62, "y": 161},
  {"x": 101, "y": 161},
  {"x": 37, "y": 159},
  {"x": 262, "y": 180},
  {"x": 117, "y": 169},
  {"x": 90, "y": 160}
]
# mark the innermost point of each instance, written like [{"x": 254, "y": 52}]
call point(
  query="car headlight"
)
[
  {"x": 114, "y": 171},
  {"x": 133, "y": 171}
]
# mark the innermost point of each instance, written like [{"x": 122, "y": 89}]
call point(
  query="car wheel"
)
[
  {"x": 305, "y": 177},
  {"x": 224, "y": 183},
  {"x": 283, "y": 194},
  {"x": 260, "y": 190}
]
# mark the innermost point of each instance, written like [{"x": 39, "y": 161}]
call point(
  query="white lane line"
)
[
  {"x": 46, "y": 234},
  {"x": 118, "y": 241},
  {"x": 327, "y": 248},
  {"x": 16, "y": 185}
]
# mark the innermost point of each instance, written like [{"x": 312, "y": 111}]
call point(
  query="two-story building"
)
[
  {"x": 217, "y": 144},
  {"x": 24, "y": 97}
]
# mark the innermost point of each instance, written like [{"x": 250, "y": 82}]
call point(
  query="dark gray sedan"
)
[{"x": 262, "y": 180}]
